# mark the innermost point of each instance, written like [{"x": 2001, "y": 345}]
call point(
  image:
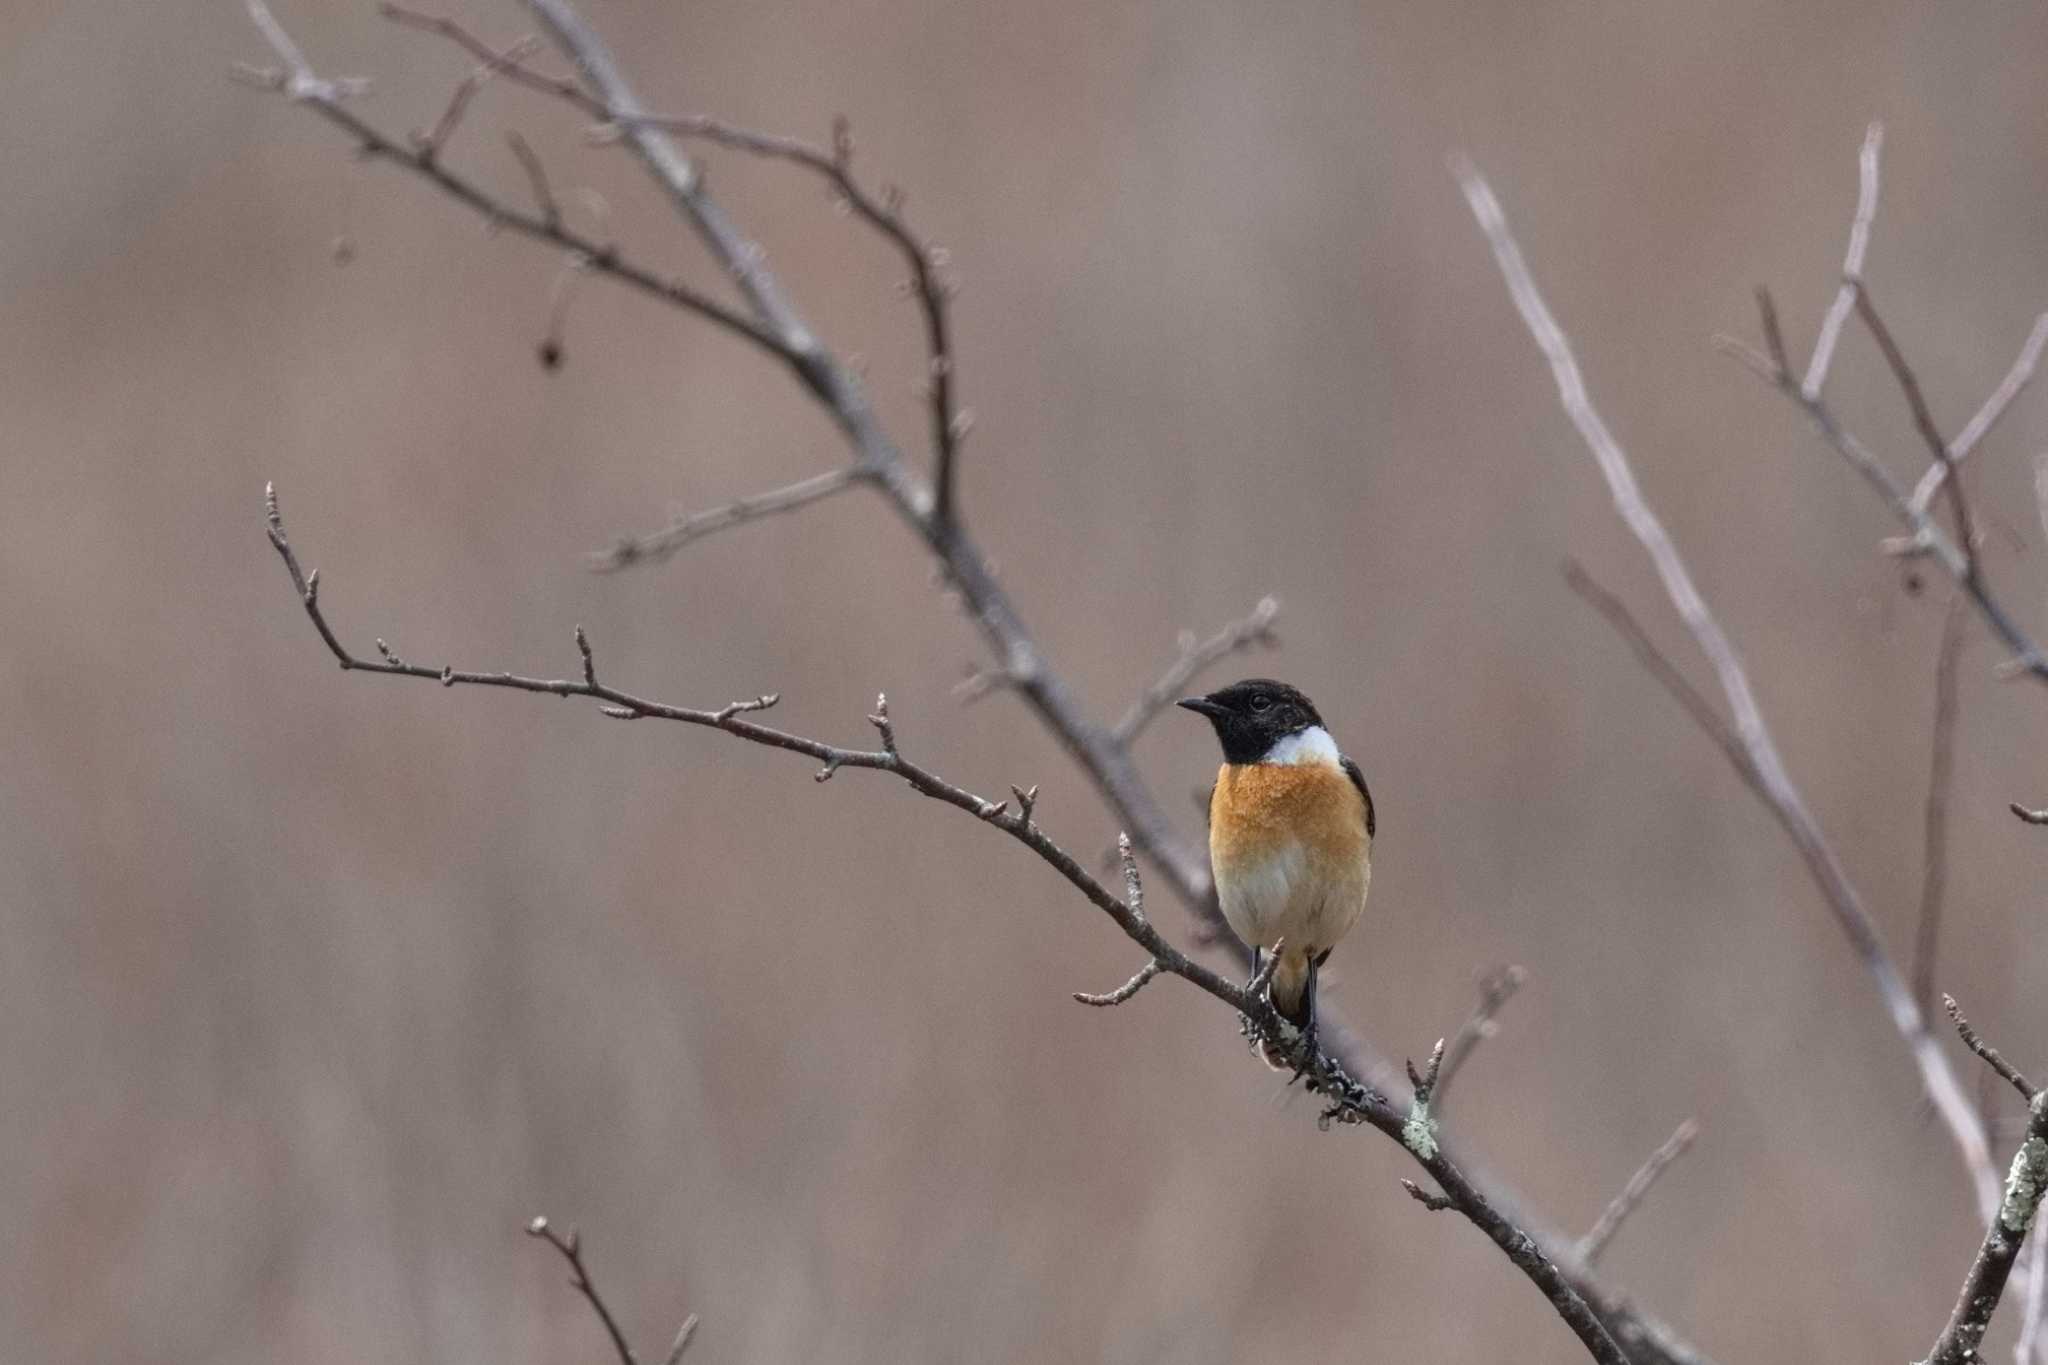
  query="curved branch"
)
[
  {"x": 774, "y": 327},
  {"x": 1748, "y": 740},
  {"x": 1351, "y": 1101},
  {"x": 2025, "y": 1183}
]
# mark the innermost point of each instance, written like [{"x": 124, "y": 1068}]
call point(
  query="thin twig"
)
[
  {"x": 1351, "y": 1101},
  {"x": 325, "y": 98},
  {"x": 1934, "y": 823},
  {"x": 1617, "y": 1211},
  {"x": 536, "y": 176},
  {"x": 1596, "y": 1312},
  {"x": 571, "y": 1249},
  {"x": 2032, "y": 817},
  {"x": 1435, "y": 1203},
  {"x": 1125, "y": 991},
  {"x": 1924, "y": 535},
  {"x": 1195, "y": 656},
  {"x": 659, "y": 545},
  {"x": 1990, "y": 1055},
  {"x": 884, "y": 213},
  {"x": 624, "y": 119},
  {"x": 1852, "y": 266},
  {"x": 429, "y": 143},
  {"x": 684, "y": 1335},
  {"x": 510, "y": 63},
  {"x": 1764, "y": 766},
  {"x": 1923, "y": 422},
  {"x": 1980, "y": 425},
  {"x": 1496, "y": 988}
]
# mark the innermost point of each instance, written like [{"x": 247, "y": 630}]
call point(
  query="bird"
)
[{"x": 1290, "y": 836}]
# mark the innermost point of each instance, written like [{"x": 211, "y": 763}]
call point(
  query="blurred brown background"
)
[{"x": 313, "y": 988}]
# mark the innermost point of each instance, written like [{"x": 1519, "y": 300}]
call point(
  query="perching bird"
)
[{"x": 1290, "y": 834}]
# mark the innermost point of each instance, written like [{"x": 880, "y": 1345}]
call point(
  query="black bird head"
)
[{"x": 1252, "y": 716}]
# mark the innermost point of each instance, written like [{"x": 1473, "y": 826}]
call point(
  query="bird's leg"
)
[{"x": 1307, "y": 1056}]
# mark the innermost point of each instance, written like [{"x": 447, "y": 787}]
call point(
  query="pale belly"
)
[{"x": 1293, "y": 894}]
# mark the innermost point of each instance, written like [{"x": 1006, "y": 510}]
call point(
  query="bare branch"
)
[
  {"x": 768, "y": 321},
  {"x": 1195, "y": 656},
  {"x": 510, "y": 63},
  {"x": 2032, "y": 817},
  {"x": 659, "y": 545},
  {"x": 1984, "y": 1285},
  {"x": 571, "y": 1249},
  {"x": 536, "y": 176},
  {"x": 1925, "y": 535},
  {"x": 1774, "y": 336},
  {"x": 620, "y": 117},
  {"x": 1496, "y": 988},
  {"x": 1659, "y": 665},
  {"x": 297, "y": 81},
  {"x": 326, "y": 99},
  {"x": 1125, "y": 991},
  {"x": 1763, "y": 766},
  {"x": 1934, "y": 823},
  {"x": 1923, "y": 422},
  {"x": 1435, "y": 1203},
  {"x": 1987, "y": 1053},
  {"x": 2015, "y": 382},
  {"x": 1351, "y": 1101},
  {"x": 1127, "y": 858},
  {"x": 1852, "y": 266},
  {"x": 684, "y": 1335},
  {"x": 1611, "y": 1218}
]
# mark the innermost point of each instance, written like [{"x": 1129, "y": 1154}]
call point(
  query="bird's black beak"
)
[{"x": 1202, "y": 706}]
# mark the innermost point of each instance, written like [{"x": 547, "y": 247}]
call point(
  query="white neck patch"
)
[{"x": 1312, "y": 745}]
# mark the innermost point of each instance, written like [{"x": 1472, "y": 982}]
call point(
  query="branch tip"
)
[
  {"x": 682, "y": 1341},
  {"x": 1435, "y": 1203},
  {"x": 1124, "y": 992},
  {"x": 1988, "y": 1054},
  {"x": 1632, "y": 1194}
]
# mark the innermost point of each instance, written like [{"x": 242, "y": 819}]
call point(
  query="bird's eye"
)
[{"x": 1262, "y": 702}]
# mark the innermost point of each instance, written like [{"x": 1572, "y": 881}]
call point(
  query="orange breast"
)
[
  {"x": 1257, "y": 808},
  {"x": 1290, "y": 852}
]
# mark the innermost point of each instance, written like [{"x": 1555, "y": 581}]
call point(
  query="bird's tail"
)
[{"x": 1294, "y": 982}]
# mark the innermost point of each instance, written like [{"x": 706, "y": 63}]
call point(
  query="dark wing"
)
[{"x": 1358, "y": 781}]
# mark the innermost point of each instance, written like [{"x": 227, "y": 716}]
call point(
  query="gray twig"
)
[
  {"x": 1125, "y": 991},
  {"x": 1934, "y": 823},
  {"x": 1348, "y": 1071},
  {"x": 659, "y": 545},
  {"x": 1435, "y": 1203},
  {"x": 1924, "y": 535},
  {"x": 1923, "y": 422},
  {"x": 1990, "y": 1055},
  {"x": 1617, "y": 1211},
  {"x": 1762, "y": 765},
  {"x": 571, "y": 1249},
  {"x": 684, "y": 1335},
  {"x": 537, "y": 177},
  {"x": 1979, "y": 426},
  {"x": 1852, "y": 266},
  {"x": 1352, "y": 1100},
  {"x": 326, "y": 98},
  {"x": 1195, "y": 656},
  {"x": 1984, "y": 1285},
  {"x": 1496, "y": 988}
]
